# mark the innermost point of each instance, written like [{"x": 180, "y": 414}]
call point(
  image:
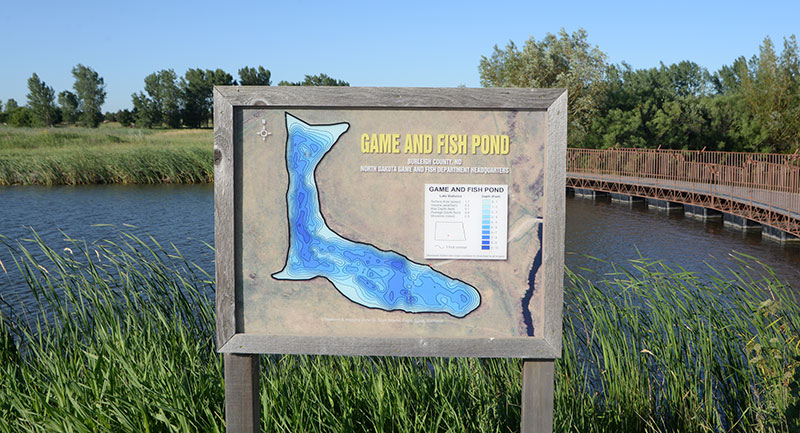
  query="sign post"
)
[
  {"x": 538, "y": 382},
  {"x": 389, "y": 222}
]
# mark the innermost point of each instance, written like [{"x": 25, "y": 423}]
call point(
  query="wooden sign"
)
[{"x": 389, "y": 221}]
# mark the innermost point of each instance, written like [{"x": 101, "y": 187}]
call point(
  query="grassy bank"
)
[
  {"x": 109, "y": 154},
  {"x": 132, "y": 349}
]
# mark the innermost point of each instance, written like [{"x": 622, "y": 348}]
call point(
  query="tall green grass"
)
[
  {"x": 123, "y": 340},
  {"x": 661, "y": 349},
  {"x": 75, "y": 156}
]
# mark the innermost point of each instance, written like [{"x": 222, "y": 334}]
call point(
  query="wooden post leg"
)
[
  {"x": 242, "y": 404},
  {"x": 538, "y": 384}
]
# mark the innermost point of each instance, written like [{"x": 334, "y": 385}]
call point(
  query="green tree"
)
[
  {"x": 125, "y": 117},
  {"x": 146, "y": 115},
  {"x": 219, "y": 77},
  {"x": 20, "y": 117},
  {"x": 41, "y": 101},
  {"x": 254, "y": 77},
  {"x": 687, "y": 79},
  {"x": 771, "y": 91},
  {"x": 90, "y": 92},
  {"x": 197, "y": 94},
  {"x": 562, "y": 60},
  {"x": 90, "y": 89},
  {"x": 757, "y": 101},
  {"x": 195, "y": 87},
  {"x": 316, "y": 80},
  {"x": 69, "y": 106},
  {"x": 162, "y": 103},
  {"x": 728, "y": 80},
  {"x": 16, "y": 115},
  {"x": 665, "y": 106}
]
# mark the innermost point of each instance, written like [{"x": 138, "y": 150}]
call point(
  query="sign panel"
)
[{"x": 391, "y": 221}]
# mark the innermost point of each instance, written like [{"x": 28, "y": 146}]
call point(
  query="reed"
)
[
  {"x": 123, "y": 340},
  {"x": 76, "y": 156},
  {"x": 660, "y": 349}
]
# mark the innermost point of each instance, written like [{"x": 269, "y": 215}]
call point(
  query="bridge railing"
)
[{"x": 769, "y": 179}]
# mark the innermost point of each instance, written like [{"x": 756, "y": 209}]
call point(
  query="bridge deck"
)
[
  {"x": 761, "y": 187},
  {"x": 765, "y": 199}
]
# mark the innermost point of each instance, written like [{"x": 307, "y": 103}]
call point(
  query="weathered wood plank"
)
[
  {"x": 520, "y": 347},
  {"x": 391, "y": 97},
  {"x": 554, "y": 218},
  {"x": 242, "y": 403},
  {"x": 224, "y": 219},
  {"x": 537, "y": 396}
]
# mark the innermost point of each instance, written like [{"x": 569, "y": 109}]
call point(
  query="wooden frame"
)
[
  {"x": 241, "y": 349},
  {"x": 231, "y": 339}
]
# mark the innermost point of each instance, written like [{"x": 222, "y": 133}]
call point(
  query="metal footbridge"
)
[{"x": 764, "y": 188}]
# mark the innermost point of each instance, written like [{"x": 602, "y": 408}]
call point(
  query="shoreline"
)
[{"x": 106, "y": 155}]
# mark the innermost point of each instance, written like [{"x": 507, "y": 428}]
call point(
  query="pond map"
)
[{"x": 363, "y": 273}]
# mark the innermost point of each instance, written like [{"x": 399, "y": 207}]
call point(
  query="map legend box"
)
[{"x": 466, "y": 221}]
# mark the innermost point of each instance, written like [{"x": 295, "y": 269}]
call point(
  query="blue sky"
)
[{"x": 409, "y": 43}]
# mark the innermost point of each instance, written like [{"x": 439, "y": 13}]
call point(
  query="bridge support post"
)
[
  {"x": 663, "y": 205},
  {"x": 589, "y": 193},
  {"x": 625, "y": 198},
  {"x": 740, "y": 223},
  {"x": 701, "y": 212},
  {"x": 777, "y": 235}
]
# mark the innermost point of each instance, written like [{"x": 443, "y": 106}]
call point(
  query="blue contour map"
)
[{"x": 366, "y": 275}]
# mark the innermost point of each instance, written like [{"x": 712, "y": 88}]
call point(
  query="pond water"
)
[
  {"x": 180, "y": 214},
  {"x": 616, "y": 232},
  {"x": 184, "y": 216}
]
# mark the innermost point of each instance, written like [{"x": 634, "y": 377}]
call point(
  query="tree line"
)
[
  {"x": 751, "y": 105},
  {"x": 188, "y": 101},
  {"x": 81, "y": 107},
  {"x": 166, "y": 100}
]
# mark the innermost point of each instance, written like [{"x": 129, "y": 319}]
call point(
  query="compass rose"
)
[{"x": 264, "y": 133}]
